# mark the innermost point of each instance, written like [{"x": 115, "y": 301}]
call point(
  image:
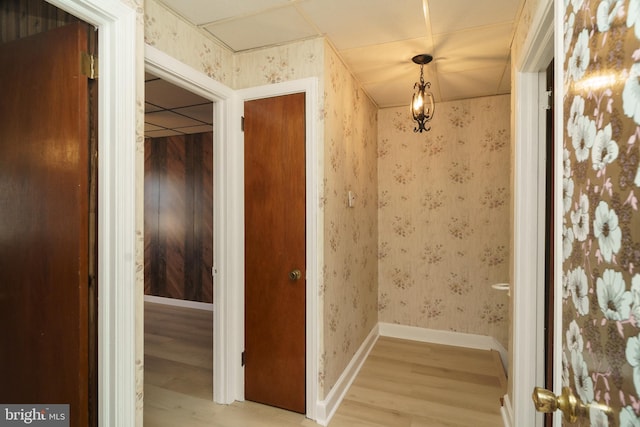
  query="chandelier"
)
[{"x": 422, "y": 103}]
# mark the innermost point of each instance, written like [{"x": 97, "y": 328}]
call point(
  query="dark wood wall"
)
[
  {"x": 178, "y": 218},
  {"x": 23, "y": 18}
]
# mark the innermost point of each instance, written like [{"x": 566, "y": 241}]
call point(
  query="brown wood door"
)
[
  {"x": 274, "y": 248},
  {"x": 44, "y": 222}
]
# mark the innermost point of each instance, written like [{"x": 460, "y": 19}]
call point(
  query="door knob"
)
[
  {"x": 570, "y": 406},
  {"x": 295, "y": 275}
]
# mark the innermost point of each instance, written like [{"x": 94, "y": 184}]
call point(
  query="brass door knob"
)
[
  {"x": 570, "y": 406},
  {"x": 295, "y": 275}
]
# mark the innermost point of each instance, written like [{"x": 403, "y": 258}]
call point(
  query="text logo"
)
[{"x": 34, "y": 415}]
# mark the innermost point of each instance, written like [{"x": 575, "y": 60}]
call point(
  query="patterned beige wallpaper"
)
[
  {"x": 175, "y": 37},
  {"x": 443, "y": 208},
  {"x": 350, "y": 285}
]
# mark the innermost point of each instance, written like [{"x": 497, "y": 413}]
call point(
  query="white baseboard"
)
[
  {"x": 507, "y": 412},
  {"x": 179, "y": 302},
  {"x": 458, "y": 339},
  {"x": 327, "y": 407}
]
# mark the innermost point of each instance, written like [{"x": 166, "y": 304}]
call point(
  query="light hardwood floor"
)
[{"x": 402, "y": 383}]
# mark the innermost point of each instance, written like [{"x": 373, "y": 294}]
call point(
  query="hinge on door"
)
[
  {"x": 242, "y": 123},
  {"x": 243, "y": 358},
  {"x": 89, "y": 65},
  {"x": 549, "y": 100}
]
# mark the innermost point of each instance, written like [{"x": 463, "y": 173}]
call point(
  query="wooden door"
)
[
  {"x": 44, "y": 222},
  {"x": 274, "y": 134}
]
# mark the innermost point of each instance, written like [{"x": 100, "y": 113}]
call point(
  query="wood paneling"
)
[
  {"x": 23, "y": 18},
  {"x": 179, "y": 217}
]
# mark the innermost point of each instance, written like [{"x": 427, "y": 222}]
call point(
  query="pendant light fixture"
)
[{"x": 422, "y": 103}]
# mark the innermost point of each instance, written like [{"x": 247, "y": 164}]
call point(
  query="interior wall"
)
[
  {"x": 188, "y": 44},
  {"x": 350, "y": 284},
  {"x": 444, "y": 199},
  {"x": 178, "y": 212}
]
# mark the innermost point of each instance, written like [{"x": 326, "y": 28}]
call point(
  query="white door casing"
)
[
  {"x": 116, "y": 23},
  {"x": 180, "y": 74},
  {"x": 529, "y": 209},
  {"x": 314, "y": 227}
]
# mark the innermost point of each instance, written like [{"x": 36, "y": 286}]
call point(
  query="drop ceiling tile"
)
[
  {"x": 169, "y": 120},
  {"x": 396, "y": 93},
  {"x": 195, "y": 129},
  {"x": 161, "y": 133},
  {"x": 203, "y": 112},
  {"x": 357, "y": 23},
  {"x": 205, "y": 11},
  {"x": 149, "y": 127},
  {"x": 470, "y": 84},
  {"x": 387, "y": 61},
  {"x": 448, "y": 16},
  {"x": 478, "y": 48},
  {"x": 166, "y": 95},
  {"x": 273, "y": 27},
  {"x": 150, "y": 107}
]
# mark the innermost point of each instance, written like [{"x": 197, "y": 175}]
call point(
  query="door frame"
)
[
  {"x": 117, "y": 43},
  {"x": 314, "y": 226},
  {"x": 543, "y": 43},
  {"x": 180, "y": 74}
]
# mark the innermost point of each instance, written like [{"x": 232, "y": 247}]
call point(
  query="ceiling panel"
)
[
  {"x": 202, "y": 12},
  {"x": 169, "y": 119},
  {"x": 470, "y": 40},
  {"x": 269, "y": 28},
  {"x": 163, "y": 94},
  {"x": 448, "y": 16},
  {"x": 387, "y": 61},
  {"x": 202, "y": 112},
  {"x": 367, "y": 22},
  {"x": 470, "y": 84}
]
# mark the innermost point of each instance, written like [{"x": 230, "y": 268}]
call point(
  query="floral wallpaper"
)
[
  {"x": 443, "y": 215},
  {"x": 601, "y": 223},
  {"x": 349, "y": 289},
  {"x": 174, "y": 36}
]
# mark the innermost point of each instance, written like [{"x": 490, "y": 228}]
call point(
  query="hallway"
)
[{"x": 402, "y": 383}]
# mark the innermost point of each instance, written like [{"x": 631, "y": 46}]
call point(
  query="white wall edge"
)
[
  {"x": 507, "y": 412},
  {"x": 206, "y": 306},
  {"x": 327, "y": 408}
]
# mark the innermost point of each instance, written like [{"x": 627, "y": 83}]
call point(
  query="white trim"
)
[
  {"x": 456, "y": 339},
  {"x": 314, "y": 228},
  {"x": 328, "y": 407},
  {"x": 206, "y": 306},
  {"x": 116, "y": 205},
  {"x": 506, "y": 411},
  {"x": 528, "y": 244},
  {"x": 170, "y": 69}
]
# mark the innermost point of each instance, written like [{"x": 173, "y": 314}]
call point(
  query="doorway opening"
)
[{"x": 178, "y": 235}]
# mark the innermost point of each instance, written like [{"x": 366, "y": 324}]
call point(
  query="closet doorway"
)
[{"x": 178, "y": 238}]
